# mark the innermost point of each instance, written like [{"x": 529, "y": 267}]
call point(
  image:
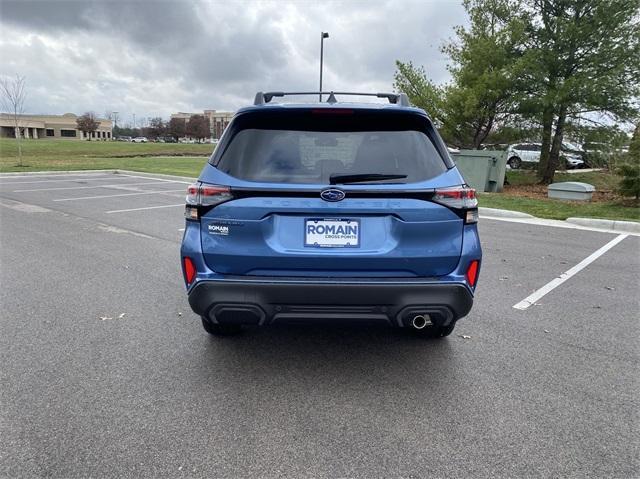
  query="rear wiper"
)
[{"x": 342, "y": 179}]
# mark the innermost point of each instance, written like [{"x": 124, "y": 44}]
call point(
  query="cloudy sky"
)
[{"x": 153, "y": 58}]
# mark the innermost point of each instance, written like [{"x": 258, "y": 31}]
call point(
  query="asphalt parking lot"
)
[{"x": 106, "y": 372}]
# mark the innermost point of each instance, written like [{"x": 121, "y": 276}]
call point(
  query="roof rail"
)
[{"x": 400, "y": 99}]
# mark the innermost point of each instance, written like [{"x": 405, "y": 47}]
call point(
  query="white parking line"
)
[
  {"x": 68, "y": 179},
  {"x": 146, "y": 208},
  {"x": 122, "y": 194},
  {"x": 158, "y": 179},
  {"x": 9, "y": 177},
  {"x": 120, "y": 185},
  {"x": 551, "y": 285}
]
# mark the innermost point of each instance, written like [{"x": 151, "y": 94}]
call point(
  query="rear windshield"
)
[{"x": 312, "y": 149}]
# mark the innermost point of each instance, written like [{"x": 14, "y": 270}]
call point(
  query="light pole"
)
[{"x": 323, "y": 35}]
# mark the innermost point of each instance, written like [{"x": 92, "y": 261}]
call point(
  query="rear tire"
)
[
  {"x": 514, "y": 162},
  {"x": 220, "y": 329}
]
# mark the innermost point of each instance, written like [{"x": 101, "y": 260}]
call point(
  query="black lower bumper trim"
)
[{"x": 274, "y": 300}]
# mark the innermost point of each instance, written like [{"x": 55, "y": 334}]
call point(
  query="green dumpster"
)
[{"x": 484, "y": 170}]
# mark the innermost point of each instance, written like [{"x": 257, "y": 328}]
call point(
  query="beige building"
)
[
  {"x": 58, "y": 127},
  {"x": 218, "y": 120}
]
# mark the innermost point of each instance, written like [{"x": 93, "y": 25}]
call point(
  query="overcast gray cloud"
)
[{"x": 156, "y": 57}]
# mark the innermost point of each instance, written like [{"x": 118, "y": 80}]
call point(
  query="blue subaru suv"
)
[{"x": 331, "y": 211}]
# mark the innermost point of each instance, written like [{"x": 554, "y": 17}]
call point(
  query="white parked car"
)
[
  {"x": 530, "y": 153},
  {"x": 140, "y": 139}
]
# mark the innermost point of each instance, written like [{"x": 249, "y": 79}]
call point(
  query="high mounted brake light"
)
[
  {"x": 459, "y": 198},
  {"x": 331, "y": 111},
  {"x": 201, "y": 194}
]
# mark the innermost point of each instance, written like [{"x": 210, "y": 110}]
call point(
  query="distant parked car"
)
[
  {"x": 140, "y": 139},
  {"x": 123, "y": 138},
  {"x": 523, "y": 152},
  {"x": 530, "y": 153},
  {"x": 187, "y": 140},
  {"x": 169, "y": 139}
]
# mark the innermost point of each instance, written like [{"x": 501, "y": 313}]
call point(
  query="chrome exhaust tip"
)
[{"x": 421, "y": 321}]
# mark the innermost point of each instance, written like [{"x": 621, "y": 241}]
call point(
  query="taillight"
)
[
  {"x": 189, "y": 270},
  {"x": 472, "y": 273},
  {"x": 201, "y": 194},
  {"x": 459, "y": 198},
  {"x": 211, "y": 195}
]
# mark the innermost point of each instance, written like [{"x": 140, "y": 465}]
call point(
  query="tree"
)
[
  {"x": 157, "y": 127},
  {"x": 13, "y": 97},
  {"x": 177, "y": 128},
  {"x": 485, "y": 64},
  {"x": 630, "y": 169},
  {"x": 198, "y": 127},
  {"x": 87, "y": 123},
  {"x": 421, "y": 91},
  {"x": 583, "y": 58},
  {"x": 483, "y": 69}
]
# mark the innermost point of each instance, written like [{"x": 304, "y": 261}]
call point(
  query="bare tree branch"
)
[{"x": 14, "y": 94}]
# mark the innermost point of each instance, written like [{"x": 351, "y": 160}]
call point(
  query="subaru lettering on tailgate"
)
[{"x": 332, "y": 233}]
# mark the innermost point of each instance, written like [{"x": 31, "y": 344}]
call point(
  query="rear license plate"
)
[{"x": 332, "y": 233}]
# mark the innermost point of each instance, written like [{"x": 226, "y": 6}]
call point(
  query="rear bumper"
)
[{"x": 271, "y": 300}]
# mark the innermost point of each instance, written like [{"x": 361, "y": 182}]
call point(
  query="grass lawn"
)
[
  {"x": 48, "y": 155},
  {"x": 523, "y": 194},
  {"x": 602, "y": 180},
  {"x": 560, "y": 210}
]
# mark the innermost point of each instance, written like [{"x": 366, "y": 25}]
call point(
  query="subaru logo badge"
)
[{"x": 332, "y": 194}]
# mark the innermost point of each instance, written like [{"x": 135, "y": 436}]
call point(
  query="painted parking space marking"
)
[
  {"x": 118, "y": 195},
  {"x": 55, "y": 175},
  {"x": 119, "y": 185},
  {"x": 551, "y": 285},
  {"x": 145, "y": 208},
  {"x": 157, "y": 179},
  {"x": 102, "y": 178}
]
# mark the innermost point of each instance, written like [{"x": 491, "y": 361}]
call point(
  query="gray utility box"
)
[
  {"x": 484, "y": 170},
  {"x": 571, "y": 190}
]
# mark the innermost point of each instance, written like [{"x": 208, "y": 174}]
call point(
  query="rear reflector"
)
[
  {"x": 189, "y": 270},
  {"x": 472, "y": 273}
]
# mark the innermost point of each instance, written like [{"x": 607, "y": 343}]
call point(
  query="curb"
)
[
  {"x": 614, "y": 225},
  {"x": 498, "y": 213}
]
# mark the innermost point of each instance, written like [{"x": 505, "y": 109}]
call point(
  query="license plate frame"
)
[{"x": 332, "y": 242}]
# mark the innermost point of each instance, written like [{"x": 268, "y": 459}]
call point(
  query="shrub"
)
[{"x": 630, "y": 169}]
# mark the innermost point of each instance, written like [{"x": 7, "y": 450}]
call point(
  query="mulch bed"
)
[{"x": 540, "y": 192}]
